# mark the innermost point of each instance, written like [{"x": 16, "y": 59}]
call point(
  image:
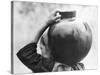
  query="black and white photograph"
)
[{"x": 53, "y": 37}]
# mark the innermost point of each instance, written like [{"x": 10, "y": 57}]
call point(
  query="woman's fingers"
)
[
  {"x": 57, "y": 18},
  {"x": 54, "y": 18}
]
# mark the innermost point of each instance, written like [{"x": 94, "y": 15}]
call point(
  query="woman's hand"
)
[{"x": 53, "y": 18}]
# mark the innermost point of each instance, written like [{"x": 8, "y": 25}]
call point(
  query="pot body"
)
[{"x": 69, "y": 41}]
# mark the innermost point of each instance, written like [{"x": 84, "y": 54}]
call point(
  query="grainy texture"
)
[{"x": 29, "y": 16}]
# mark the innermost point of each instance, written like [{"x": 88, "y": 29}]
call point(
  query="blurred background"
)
[{"x": 29, "y": 16}]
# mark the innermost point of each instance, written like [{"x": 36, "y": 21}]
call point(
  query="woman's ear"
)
[{"x": 44, "y": 46}]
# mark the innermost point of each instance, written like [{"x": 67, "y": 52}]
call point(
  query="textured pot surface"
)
[{"x": 70, "y": 41}]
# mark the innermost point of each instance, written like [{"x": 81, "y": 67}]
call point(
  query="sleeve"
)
[{"x": 34, "y": 61}]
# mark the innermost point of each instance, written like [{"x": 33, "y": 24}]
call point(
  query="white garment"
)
[{"x": 63, "y": 67}]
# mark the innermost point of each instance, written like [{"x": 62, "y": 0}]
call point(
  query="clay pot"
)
[{"x": 69, "y": 44}]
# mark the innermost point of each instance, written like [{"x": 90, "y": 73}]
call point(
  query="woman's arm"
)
[
  {"x": 28, "y": 54},
  {"x": 52, "y": 19}
]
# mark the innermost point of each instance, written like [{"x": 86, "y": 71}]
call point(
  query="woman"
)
[{"x": 57, "y": 53}]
